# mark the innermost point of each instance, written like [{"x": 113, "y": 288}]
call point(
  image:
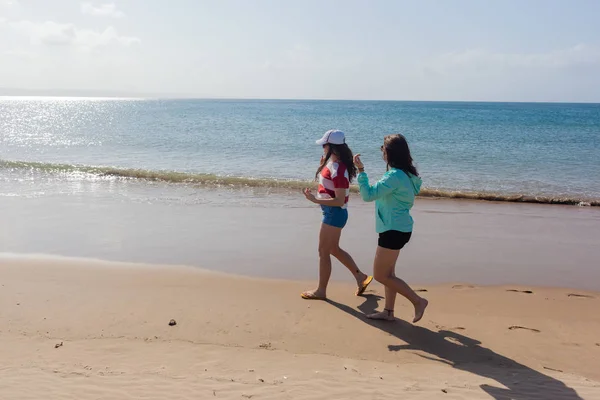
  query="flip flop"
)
[
  {"x": 311, "y": 296},
  {"x": 364, "y": 285}
]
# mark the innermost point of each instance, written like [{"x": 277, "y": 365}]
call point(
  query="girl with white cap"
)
[{"x": 334, "y": 174}]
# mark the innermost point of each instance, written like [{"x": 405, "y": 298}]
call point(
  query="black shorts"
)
[{"x": 393, "y": 240}]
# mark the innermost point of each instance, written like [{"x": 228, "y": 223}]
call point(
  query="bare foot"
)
[
  {"x": 385, "y": 315},
  {"x": 313, "y": 295},
  {"x": 420, "y": 310}
]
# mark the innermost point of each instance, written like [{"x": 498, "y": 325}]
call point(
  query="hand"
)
[
  {"x": 357, "y": 162},
  {"x": 308, "y": 194}
]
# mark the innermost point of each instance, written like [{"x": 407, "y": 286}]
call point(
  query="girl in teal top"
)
[{"x": 394, "y": 196}]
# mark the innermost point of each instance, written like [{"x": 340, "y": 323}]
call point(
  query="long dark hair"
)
[
  {"x": 344, "y": 155},
  {"x": 398, "y": 154}
]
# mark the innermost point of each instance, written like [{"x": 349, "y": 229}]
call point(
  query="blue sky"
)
[{"x": 526, "y": 50}]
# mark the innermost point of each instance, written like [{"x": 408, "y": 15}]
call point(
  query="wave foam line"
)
[{"x": 232, "y": 181}]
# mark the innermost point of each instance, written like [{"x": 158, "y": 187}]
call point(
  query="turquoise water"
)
[
  {"x": 214, "y": 184},
  {"x": 501, "y": 148}
]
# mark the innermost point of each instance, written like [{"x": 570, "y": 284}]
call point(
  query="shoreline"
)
[
  {"x": 89, "y": 329},
  {"x": 284, "y": 185}
]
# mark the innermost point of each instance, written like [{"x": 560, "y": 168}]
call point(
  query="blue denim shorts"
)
[{"x": 335, "y": 216}]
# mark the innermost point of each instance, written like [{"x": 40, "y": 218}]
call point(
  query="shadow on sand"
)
[{"x": 467, "y": 354}]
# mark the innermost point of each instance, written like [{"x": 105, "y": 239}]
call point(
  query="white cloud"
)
[
  {"x": 53, "y": 33},
  {"x": 20, "y": 54},
  {"x": 7, "y": 9},
  {"x": 102, "y": 10}
]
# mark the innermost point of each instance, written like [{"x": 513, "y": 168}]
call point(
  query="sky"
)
[{"x": 468, "y": 50}]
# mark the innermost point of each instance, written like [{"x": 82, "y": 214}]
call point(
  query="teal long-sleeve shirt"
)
[{"x": 394, "y": 195}]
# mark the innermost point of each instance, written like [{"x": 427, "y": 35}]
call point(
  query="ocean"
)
[
  {"x": 216, "y": 184},
  {"x": 495, "y": 151}
]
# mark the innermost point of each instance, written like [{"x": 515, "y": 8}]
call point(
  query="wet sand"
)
[{"x": 275, "y": 235}]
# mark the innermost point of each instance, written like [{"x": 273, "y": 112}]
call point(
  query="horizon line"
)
[{"x": 184, "y": 97}]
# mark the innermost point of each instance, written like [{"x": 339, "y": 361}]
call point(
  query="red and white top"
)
[{"x": 333, "y": 176}]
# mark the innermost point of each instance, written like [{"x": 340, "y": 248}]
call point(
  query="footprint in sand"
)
[
  {"x": 585, "y": 296},
  {"x": 553, "y": 369},
  {"x": 463, "y": 287},
  {"x": 512, "y": 328},
  {"x": 456, "y": 328},
  {"x": 520, "y": 291}
]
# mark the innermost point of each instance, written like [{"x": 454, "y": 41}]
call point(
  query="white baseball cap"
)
[{"x": 333, "y": 136}]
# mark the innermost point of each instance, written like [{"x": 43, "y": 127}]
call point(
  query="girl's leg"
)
[
  {"x": 384, "y": 272},
  {"x": 329, "y": 244},
  {"x": 390, "y": 298},
  {"x": 347, "y": 260},
  {"x": 329, "y": 236},
  {"x": 341, "y": 215}
]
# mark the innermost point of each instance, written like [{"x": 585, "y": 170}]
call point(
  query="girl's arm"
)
[
  {"x": 338, "y": 201},
  {"x": 369, "y": 193},
  {"x": 373, "y": 192}
]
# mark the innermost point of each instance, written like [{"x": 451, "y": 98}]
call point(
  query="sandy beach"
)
[
  {"x": 83, "y": 329},
  {"x": 513, "y": 288},
  {"x": 166, "y": 173}
]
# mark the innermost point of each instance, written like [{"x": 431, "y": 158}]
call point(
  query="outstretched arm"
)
[
  {"x": 380, "y": 189},
  {"x": 373, "y": 192}
]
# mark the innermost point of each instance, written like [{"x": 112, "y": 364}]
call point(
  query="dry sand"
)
[{"x": 77, "y": 329}]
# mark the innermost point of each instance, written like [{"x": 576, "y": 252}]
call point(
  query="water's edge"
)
[{"x": 200, "y": 179}]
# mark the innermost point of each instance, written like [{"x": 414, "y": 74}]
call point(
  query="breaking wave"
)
[{"x": 233, "y": 181}]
